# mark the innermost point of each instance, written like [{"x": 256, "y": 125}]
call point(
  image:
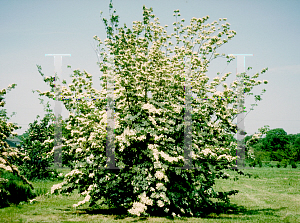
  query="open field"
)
[{"x": 273, "y": 195}]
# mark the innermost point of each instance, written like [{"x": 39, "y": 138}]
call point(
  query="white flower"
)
[
  {"x": 218, "y": 93},
  {"x": 78, "y": 150},
  {"x": 32, "y": 201},
  {"x": 160, "y": 203},
  {"x": 159, "y": 175},
  {"x": 84, "y": 193},
  {"x": 155, "y": 153},
  {"x": 81, "y": 140},
  {"x": 169, "y": 158},
  {"x": 91, "y": 175},
  {"x": 152, "y": 120},
  {"x": 159, "y": 185},
  {"x": 74, "y": 132},
  {"x": 90, "y": 158},
  {"x": 145, "y": 200},
  {"x": 163, "y": 196},
  {"x": 2, "y": 160},
  {"x": 151, "y": 108},
  {"x": 137, "y": 208},
  {"x": 8, "y": 168},
  {"x": 142, "y": 137},
  {"x": 156, "y": 138},
  {"x": 56, "y": 187},
  {"x": 73, "y": 172},
  {"x": 129, "y": 132},
  {"x": 86, "y": 199},
  {"x": 228, "y": 157},
  {"x": 49, "y": 141},
  {"x": 207, "y": 151}
]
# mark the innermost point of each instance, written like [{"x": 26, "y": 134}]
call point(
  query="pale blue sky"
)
[{"x": 268, "y": 29}]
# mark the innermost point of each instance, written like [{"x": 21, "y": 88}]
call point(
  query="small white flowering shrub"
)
[
  {"x": 149, "y": 132},
  {"x": 8, "y": 155}
]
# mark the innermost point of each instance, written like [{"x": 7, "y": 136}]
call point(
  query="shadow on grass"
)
[
  {"x": 230, "y": 211},
  {"x": 223, "y": 211}
]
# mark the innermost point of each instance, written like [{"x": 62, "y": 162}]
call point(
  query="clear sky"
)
[{"x": 269, "y": 30}]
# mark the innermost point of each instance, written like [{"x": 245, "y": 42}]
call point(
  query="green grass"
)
[{"x": 272, "y": 196}]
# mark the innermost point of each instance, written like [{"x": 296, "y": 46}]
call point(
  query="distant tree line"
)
[{"x": 277, "y": 145}]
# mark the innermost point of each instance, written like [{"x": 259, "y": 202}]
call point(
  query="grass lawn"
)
[{"x": 273, "y": 195}]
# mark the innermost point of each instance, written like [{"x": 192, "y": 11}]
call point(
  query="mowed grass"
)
[{"x": 272, "y": 195}]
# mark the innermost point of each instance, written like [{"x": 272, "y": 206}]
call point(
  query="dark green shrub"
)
[
  {"x": 4, "y": 194},
  {"x": 259, "y": 163},
  {"x": 12, "y": 190},
  {"x": 278, "y": 165},
  {"x": 293, "y": 164},
  {"x": 18, "y": 192}
]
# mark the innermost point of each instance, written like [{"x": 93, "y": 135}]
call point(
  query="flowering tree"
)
[
  {"x": 8, "y": 154},
  {"x": 152, "y": 177}
]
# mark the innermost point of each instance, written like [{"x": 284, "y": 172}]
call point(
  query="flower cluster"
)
[{"x": 56, "y": 187}]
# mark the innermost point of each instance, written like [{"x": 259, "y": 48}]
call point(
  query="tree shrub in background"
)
[
  {"x": 294, "y": 148},
  {"x": 276, "y": 142},
  {"x": 37, "y": 147},
  {"x": 276, "y": 147},
  {"x": 149, "y": 142}
]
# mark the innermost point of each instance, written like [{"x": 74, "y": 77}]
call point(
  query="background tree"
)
[
  {"x": 37, "y": 147},
  {"x": 294, "y": 147},
  {"x": 276, "y": 142}
]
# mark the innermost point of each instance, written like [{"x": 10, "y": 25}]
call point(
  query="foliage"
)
[
  {"x": 13, "y": 190},
  {"x": 37, "y": 149},
  {"x": 276, "y": 142},
  {"x": 294, "y": 149},
  {"x": 252, "y": 144},
  {"x": 284, "y": 163},
  {"x": 149, "y": 142},
  {"x": 68, "y": 158},
  {"x": 293, "y": 164},
  {"x": 259, "y": 162},
  {"x": 276, "y": 146}
]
